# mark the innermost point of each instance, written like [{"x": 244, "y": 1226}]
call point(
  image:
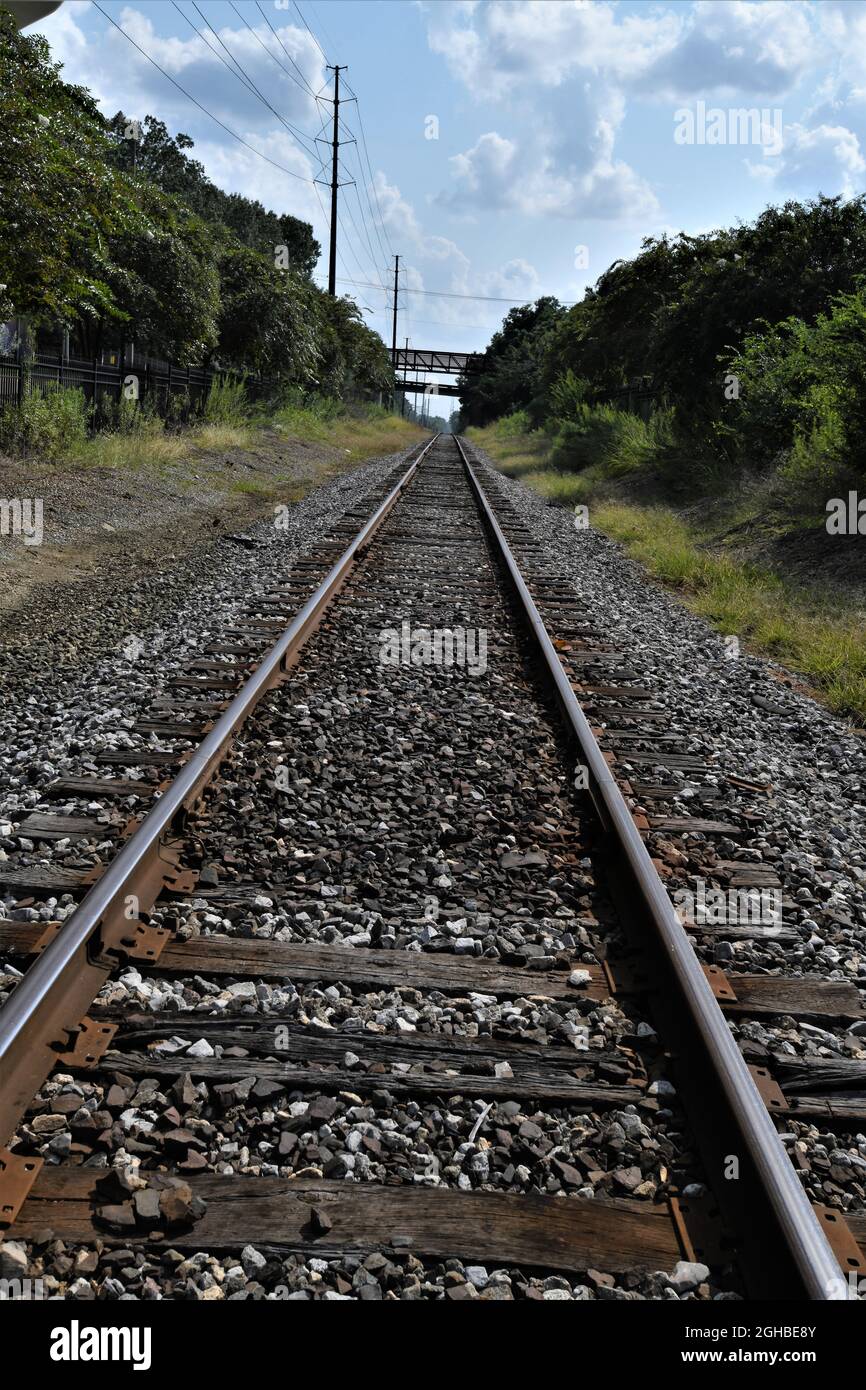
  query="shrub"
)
[
  {"x": 612, "y": 441},
  {"x": 517, "y": 422},
  {"x": 52, "y": 425},
  {"x": 567, "y": 394},
  {"x": 227, "y": 402}
]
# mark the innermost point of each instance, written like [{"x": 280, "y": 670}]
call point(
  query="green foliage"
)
[
  {"x": 778, "y": 305},
  {"x": 508, "y": 375},
  {"x": 50, "y": 425},
  {"x": 567, "y": 394},
  {"x": 130, "y": 418},
  {"x": 350, "y": 358},
  {"x": 118, "y": 237},
  {"x": 802, "y": 400},
  {"x": 611, "y": 441},
  {"x": 162, "y": 160},
  {"x": 164, "y": 284},
  {"x": 57, "y": 208},
  {"x": 267, "y": 319},
  {"x": 514, "y": 424},
  {"x": 227, "y": 402}
]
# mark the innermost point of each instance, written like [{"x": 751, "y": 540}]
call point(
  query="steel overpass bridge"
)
[{"x": 414, "y": 361}]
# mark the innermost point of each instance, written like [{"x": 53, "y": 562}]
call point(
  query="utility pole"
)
[
  {"x": 403, "y": 397},
  {"x": 332, "y": 262},
  {"x": 394, "y": 325},
  {"x": 394, "y": 329}
]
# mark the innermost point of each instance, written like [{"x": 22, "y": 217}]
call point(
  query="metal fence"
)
[
  {"x": 176, "y": 393},
  {"x": 638, "y": 398}
]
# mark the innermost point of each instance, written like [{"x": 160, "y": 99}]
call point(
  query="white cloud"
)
[
  {"x": 711, "y": 47},
  {"x": 824, "y": 159},
  {"x": 496, "y": 173},
  {"x": 237, "y": 170},
  {"x": 121, "y": 78},
  {"x": 758, "y": 48},
  {"x": 505, "y": 44},
  {"x": 454, "y": 274}
]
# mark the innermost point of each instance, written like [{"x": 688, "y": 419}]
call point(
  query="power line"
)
[
  {"x": 312, "y": 35},
  {"x": 241, "y": 75},
  {"x": 363, "y": 182},
  {"x": 285, "y": 50},
  {"x": 447, "y": 294},
  {"x": 355, "y": 225},
  {"x": 233, "y": 133},
  {"x": 329, "y": 38},
  {"x": 370, "y": 171},
  {"x": 365, "y": 222}
]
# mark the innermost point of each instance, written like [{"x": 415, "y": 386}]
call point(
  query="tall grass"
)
[
  {"x": 51, "y": 426},
  {"x": 578, "y": 458},
  {"x": 799, "y": 625},
  {"x": 55, "y": 427},
  {"x": 227, "y": 402},
  {"x": 613, "y": 442},
  {"x": 360, "y": 431}
]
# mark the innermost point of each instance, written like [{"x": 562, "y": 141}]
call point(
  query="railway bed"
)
[{"x": 385, "y": 996}]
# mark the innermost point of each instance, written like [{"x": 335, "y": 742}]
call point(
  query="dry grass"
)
[
  {"x": 359, "y": 435},
  {"x": 800, "y": 626}
]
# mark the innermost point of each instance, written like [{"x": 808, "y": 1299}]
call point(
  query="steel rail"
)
[
  {"x": 60, "y": 985},
  {"x": 810, "y": 1250}
]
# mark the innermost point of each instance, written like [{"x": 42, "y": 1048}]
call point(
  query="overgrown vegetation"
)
[
  {"x": 112, "y": 231},
  {"x": 56, "y": 427},
  {"x": 719, "y": 383},
  {"x": 702, "y": 363}
]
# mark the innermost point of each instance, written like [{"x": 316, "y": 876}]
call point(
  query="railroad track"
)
[{"x": 381, "y": 972}]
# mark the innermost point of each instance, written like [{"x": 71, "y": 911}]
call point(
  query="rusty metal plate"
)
[
  {"x": 842, "y": 1242},
  {"x": 91, "y": 1041},
  {"x": 770, "y": 1091},
  {"x": 629, "y": 975},
  {"x": 142, "y": 942},
  {"x": 720, "y": 984},
  {"x": 46, "y": 938},
  {"x": 18, "y": 1172},
  {"x": 701, "y": 1232}
]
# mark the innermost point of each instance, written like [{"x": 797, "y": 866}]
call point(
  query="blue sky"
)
[{"x": 555, "y": 123}]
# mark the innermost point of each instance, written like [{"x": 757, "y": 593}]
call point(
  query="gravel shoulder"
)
[{"x": 102, "y": 526}]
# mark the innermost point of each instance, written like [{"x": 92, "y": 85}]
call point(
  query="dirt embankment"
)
[{"x": 110, "y": 521}]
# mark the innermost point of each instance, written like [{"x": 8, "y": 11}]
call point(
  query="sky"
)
[{"x": 504, "y": 148}]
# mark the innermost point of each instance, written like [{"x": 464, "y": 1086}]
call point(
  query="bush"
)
[
  {"x": 567, "y": 394},
  {"x": 52, "y": 425},
  {"x": 516, "y": 423},
  {"x": 227, "y": 402},
  {"x": 131, "y": 418},
  {"x": 612, "y": 441},
  {"x": 803, "y": 396}
]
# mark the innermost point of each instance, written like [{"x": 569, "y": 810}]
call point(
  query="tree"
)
[
  {"x": 351, "y": 357},
  {"x": 267, "y": 317},
  {"x": 164, "y": 283},
  {"x": 162, "y": 158},
  {"x": 59, "y": 207},
  {"x": 507, "y": 375}
]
